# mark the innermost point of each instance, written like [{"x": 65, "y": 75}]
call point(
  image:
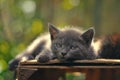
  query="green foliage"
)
[
  {"x": 75, "y": 76},
  {"x": 22, "y": 20}
]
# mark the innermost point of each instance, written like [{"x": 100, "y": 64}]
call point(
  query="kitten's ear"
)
[
  {"x": 88, "y": 36},
  {"x": 53, "y": 31}
]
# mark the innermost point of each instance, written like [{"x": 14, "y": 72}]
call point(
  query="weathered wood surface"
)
[
  {"x": 99, "y": 69},
  {"x": 98, "y": 63}
]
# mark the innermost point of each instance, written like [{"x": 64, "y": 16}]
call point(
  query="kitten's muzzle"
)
[{"x": 63, "y": 53}]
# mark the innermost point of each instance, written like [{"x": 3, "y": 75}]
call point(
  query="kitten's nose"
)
[{"x": 63, "y": 53}]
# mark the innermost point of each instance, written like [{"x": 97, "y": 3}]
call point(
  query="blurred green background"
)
[{"x": 22, "y": 20}]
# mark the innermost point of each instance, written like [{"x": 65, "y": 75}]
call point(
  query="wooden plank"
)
[
  {"x": 111, "y": 61},
  {"x": 98, "y": 63},
  {"x": 99, "y": 69},
  {"x": 65, "y": 67}
]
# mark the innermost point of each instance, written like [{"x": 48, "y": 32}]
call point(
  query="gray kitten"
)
[
  {"x": 65, "y": 45},
  {"x": 68, "y": 45}
]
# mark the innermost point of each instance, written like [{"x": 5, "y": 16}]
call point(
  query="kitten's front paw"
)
[{"x": 42, "y": 58}]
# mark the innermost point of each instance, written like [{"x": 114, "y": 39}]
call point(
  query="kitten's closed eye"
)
[
  {"x": 58, "y": 45},
  {"x": 73, "y": 47}
]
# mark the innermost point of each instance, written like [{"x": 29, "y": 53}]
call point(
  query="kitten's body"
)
[
  {"x": 65, "y": 45},
  {"x": 68, "y": 45}
]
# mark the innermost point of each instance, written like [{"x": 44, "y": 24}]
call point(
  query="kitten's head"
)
[{"x": 69, "y": 44}]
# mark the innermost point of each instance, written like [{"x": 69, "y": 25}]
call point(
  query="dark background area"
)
[{"x": 22, "y": 20}]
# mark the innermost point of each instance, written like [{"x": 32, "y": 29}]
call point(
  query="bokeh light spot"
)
[
  {"x": 37, "y": 26},
  {"x": 3, "y": 65},
  {"x": 4, "y": 47}
]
